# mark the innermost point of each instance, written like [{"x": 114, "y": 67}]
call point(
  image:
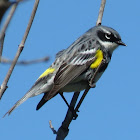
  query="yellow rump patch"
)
[
  {"x": 97, "y": 62},
  {"x": 48, "y": 71}
]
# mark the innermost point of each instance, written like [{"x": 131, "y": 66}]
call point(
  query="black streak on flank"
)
[{"x": 103, "y": 67}]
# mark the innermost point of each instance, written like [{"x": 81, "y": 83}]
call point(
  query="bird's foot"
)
[
  {"x": 74, "y": 113},
  {"x": 92, "y": 85}
]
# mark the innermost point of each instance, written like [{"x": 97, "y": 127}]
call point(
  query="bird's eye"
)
[{"x": 107, "y": 36}]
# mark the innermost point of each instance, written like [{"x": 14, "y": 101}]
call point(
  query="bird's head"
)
[{"x": 108, "y": 37}]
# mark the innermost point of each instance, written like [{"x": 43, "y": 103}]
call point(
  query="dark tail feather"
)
[{"x": 42, "y": 102}]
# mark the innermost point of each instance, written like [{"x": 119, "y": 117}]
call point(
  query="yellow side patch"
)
[
  {"x": 48, "y": 71},
  {"x": 97, "y": 62}
]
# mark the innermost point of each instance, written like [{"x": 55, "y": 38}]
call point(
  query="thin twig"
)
[
  {"x": 4, "y": 5},
  {"x": 52, "y": 128},
  {"x": 1, "y": 47},
  {"x": 2, "y": 33},
  {"x": 9, "y": 17},
  {"x": 24, "y": 62},
  {"x": 101, "y": 11},
  {"x": 20, "y": 48}
]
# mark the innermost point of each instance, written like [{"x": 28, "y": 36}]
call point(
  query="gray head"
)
[{"x": 108, "y": 37}]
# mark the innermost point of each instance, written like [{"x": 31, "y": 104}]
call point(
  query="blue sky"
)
[{"x": 111, "y": 111}]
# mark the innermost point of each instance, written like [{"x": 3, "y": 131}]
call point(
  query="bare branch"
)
[
  {"x": 24, "y": 62},
  {"x": 20, "y": 48},
  {"x": 4, "y": 5},
  {"x": 1, "y": 46},
  {"x": 101, "y": 11},
  {"x": 64, "y": 128},
  {"x": 9, "y": 18},
  {"x": 52, "y": 128},
  {"x": 2, "y": 34},
  {"x": 29, "y": 24}
]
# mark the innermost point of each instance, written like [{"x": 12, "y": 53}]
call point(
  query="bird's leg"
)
[
  {"x": 81, "y": 100},
  {"x": 61, "y": 94},
  {"x": 72, "y": 105},
  {"x": 74, "y": 112},
  {"x": 92, "y": 85},
  {"x": 71, "y": 108}
]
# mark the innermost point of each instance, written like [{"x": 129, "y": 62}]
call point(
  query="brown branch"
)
[
  {"x": 24, "y": 62},
  {"x": 20, "y": 48},
  {"x": 4, "y": 5},
  {"x": 1, "y": 46},
  {"x": 52, "y": 128},
  {"x": 2, "y": 33},
  {"x": 30, "y": 23},
  {"x": 101, "y": 11}
]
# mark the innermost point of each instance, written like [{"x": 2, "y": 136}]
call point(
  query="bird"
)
[{"x": 76, "y": 68}]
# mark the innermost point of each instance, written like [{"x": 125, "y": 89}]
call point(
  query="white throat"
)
[{"x": 109, "y": 45}]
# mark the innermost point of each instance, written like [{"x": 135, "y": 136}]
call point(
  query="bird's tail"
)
[{"x": 19, "y": 102}]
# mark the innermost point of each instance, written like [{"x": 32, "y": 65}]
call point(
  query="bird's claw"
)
[
  {"x": 92, "y": 85},
  {"x": 74, "y": 113}
]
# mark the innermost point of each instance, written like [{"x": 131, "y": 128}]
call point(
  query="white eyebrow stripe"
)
[
  {"x": 115, "y": 36},
  {"x": 106, "y": 31}
]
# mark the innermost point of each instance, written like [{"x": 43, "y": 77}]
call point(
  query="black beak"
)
[{"x": 121, "y": 43}]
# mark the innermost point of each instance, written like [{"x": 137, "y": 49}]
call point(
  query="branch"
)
[
  {"x": 4, "y": 5},
  {"x": 20, "y": 48},
  {"x": 2, "y": 33},
  {"x": 101, "y": 11},
  {"x": 52, "y": 128},
  {"x": 64, "y": 128},
  {"x": 23, "y": 62},
  {"x": 1, "y": 46}
]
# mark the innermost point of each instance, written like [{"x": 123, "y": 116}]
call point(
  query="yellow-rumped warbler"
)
[{"x": 75, "y": 66}]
